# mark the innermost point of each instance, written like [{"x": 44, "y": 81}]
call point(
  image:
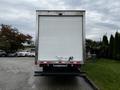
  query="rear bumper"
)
[
  {"x": 53, "y": 63},
  {"x": 60, "y": 65}
]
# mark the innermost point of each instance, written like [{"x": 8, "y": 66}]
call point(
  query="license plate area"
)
[{"x": 60, "y": 65}]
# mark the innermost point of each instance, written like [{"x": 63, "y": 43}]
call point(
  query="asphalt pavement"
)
[{"x": 17, "y": 73}]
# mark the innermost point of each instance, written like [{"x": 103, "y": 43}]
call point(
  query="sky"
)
[{"x": 102, "y": 16}]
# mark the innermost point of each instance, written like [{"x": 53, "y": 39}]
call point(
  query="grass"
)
[{"x": 104, "y": 72}]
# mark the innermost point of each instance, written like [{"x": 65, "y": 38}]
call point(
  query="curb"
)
[{"x": 90, "y": 82}]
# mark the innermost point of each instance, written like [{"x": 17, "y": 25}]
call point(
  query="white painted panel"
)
[{"x": 60, "y": 37}]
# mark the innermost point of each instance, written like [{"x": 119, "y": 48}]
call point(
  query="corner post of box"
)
[
  {"x": 83, "y": 33},
  {"x": 37, "y": 38}
]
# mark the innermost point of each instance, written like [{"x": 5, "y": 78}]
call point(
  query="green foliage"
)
[
  {"x": 105, "y": 46},
  {"x": 117, "y": 46},
  {"x": 105, "y": 49},
  {"x": 105, "y": 40},
  {"x": 111, "y": 47},
  {"x": 11, "y": 39},
  {"x": 93, "y": 47}
]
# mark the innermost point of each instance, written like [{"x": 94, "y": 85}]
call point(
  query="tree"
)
[
  {"x": 111, "y": 47},
  {"x": 105, "y": 40},
  {"x": 105, "y": 46},
  {"x": 116, "y": 46},
  {"x": 104, "y": 49},
  {"x": 93, "y": 47},
  {"x": 11, "y": 39},
  {"x": 119, "y": 46},
  {"x": 88, "y": 45}
]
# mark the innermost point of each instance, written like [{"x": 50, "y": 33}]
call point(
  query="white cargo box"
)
[{"x": 60, "y": 35}]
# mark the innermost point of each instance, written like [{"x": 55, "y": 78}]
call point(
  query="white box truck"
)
[{"x": 60, "y": 39}]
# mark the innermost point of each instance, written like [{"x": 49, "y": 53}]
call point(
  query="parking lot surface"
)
[{"x": 17, "y": 73}]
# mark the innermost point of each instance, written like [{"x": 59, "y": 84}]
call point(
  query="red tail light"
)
[{"x": 75, "y": 62}]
